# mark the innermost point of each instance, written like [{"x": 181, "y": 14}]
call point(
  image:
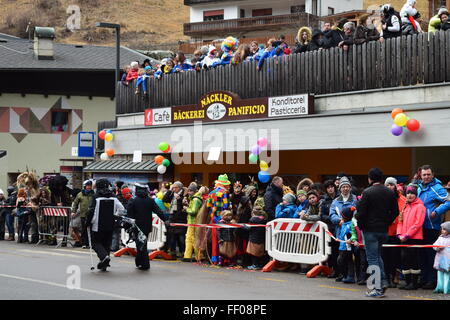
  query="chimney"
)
[{"x": 43, "y": 43}]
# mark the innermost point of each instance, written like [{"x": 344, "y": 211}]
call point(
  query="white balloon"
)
[
  {"x": 161, "y": 169},
  {"x": 104, "y": 156}
]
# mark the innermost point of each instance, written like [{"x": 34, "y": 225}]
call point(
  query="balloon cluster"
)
[
  {"x": 162, "y": 162},
  {"x": 401, "y": 120},
  {"x": 230, "y": 44},
  {"x": 256, "y": 150},
  {"x": 108, "y": 136}
]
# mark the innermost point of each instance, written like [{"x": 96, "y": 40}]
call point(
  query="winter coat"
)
[
  {"x": 377, "y": 209},
  {"x": 393, "y": 26},
  {"x": 365, "y": 34},
  {"x": 442, "y": 258},
  {"x": 336, "y": 208},
  {"x": 235, "y": 199},
  {"x": 325, "y": 212},
  {"x": 274, "y": 52},
  {"x": 412, "y": 222},
  {"x": 142, "y": 208},
  {"x": 178, "y": 215},
  {"x": 302, "y": 45},
  {"x": 224, "y": 60},
  {"x": 345, "y": 233},
  {"x": 244, "y": 214},
  {"x": 312, "y": 213},
  {"x": 182, "y": 67},
  {"x": 433, "y": 26},
  {"x": 82, "y": 202},
  {"x": 218, "y": 200},
  {"x": 303, "y": 182},
  {"x": 226, "y": 234},
  {"x": 333, "y": 37},
  {"x": 444, "y": 26},
  {"x": 302, "y": 206},
  {"x": 272, "y": 198},
  {"x": 257, "y": 234},
  {"x": 285, "y": 211},
  {"x": 132, "y": 74},
  {"x": 401, "y": 201},
  {"x": 102, "y": 209},
  {"x": 435, "y": 199},
  {"x": 348, "y": 39},
  {"x": 194, "y": 206}
]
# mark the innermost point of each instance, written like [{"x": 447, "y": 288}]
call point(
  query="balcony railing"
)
[
  {"x": 403, "y": 61},
  {"x": 191, "y": 2},
  {"x": 250, "y": 24}
]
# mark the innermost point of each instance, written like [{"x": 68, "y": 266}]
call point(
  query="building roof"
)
[
  {"x": 121, "y": 166},
  {"x": 18, "y": 54}
]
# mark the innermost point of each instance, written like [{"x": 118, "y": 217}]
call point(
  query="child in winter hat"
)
[
  {"x": 442, "y": 260},
  {"x": 287, "y": 208}
]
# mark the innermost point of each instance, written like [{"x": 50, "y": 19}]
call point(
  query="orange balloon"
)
[
  {"x": 109, "y": 152},
  {"x": 159, "y": 159},
  {"x": 395, "y": 112}
]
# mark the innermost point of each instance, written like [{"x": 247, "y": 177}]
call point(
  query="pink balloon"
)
[{"x": 262, "y": 142}]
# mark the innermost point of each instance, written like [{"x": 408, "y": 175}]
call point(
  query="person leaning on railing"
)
[
  {"x": 435, "y": 21},
  {"x": 391, "y": 26},
  {"x": 444, "y": 24},
  {"x": 365, "y": 31}
]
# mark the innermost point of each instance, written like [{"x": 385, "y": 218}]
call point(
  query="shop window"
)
[
  {"x": 262, "y": 12},
  {"x": 60, "y": 121},
  {"x": 213, "y": 15},
  {"x": 298, "y": 9}
]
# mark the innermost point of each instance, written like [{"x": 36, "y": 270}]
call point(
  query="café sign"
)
[{"x": 224, "y": 106}]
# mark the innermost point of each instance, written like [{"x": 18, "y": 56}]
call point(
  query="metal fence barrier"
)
[{"x": 53, "y": 224}]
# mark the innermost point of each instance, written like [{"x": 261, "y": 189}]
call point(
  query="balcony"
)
[
  {"x": 250, "y": 24},
  {"x": 191, "y": 2}
]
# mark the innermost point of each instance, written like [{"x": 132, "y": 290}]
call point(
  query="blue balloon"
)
[
  {"x": 264, "y": 176},
  {"x": 109, "y": 131}
]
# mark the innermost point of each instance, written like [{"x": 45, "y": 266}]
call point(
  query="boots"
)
[
  {"x": 11, "y": 237},
  {"x": 408, "y": 278},
  {"x": 413, "y": 283}
]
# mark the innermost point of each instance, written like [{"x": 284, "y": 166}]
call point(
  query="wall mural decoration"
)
[{"x": 60, "y": 120}]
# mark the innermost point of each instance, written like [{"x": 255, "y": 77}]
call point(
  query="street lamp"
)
[{"x": 117, "y": 27}]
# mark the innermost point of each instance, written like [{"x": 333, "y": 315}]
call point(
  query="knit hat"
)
[
  {"x": 223, "y": 179},
  {"x": 411, "y": 189},
  {"x": 347, "y": 213},
  {"x": 442, "y": 11},
  {"x": 148, "y": 68},
  {"x": 178, "y": 184},
  {"x": 289, "y": 198},
  {"x": 344, "y": 181},
  {"x": 390, "y": 180},
  {"x": 258, "y": 211},
  {"x": 126, "y": 193},
  {"x": 446, "y": 226},
  {"x": 193, "y": 187},
  {"x": 301, "y": 192}
]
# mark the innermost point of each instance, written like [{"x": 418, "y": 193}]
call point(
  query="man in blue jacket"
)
[{"x": 437, "y": 202}]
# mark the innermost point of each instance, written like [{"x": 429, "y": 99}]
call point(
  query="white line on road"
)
[
  {"x": 54, "y": 284},
  {"x": 49, "y": 253}
]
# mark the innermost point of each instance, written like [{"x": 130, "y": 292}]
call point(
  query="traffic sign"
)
[{"x": 86, "y": 144}]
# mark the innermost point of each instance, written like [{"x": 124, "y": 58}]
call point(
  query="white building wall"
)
[{"x": 339, "y": 5}]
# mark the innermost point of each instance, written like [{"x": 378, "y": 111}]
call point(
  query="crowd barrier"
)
[
  {"x": 53, "y": 223},
  {"x": 155, "y": 241},
  {"x": 291, "y": 240}
]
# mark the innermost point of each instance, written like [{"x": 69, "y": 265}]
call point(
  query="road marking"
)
[
  {"x": 339, "y": 288},
  {"x": 418, "y": 298},
  {"x": 54, "y": 284},
  {"x": 215, "y": 272},
  {"x": 49, "y": 253},
  {"x": 73, "y": 251},
  {"x": 15, "y": 254},
  {"x": 270, "y": 279}
]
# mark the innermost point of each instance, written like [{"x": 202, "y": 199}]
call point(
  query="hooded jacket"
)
[
  {"x": 365, "y": 34},
  {"x": 194, "y": 206},
  {"x": 302, "y": 45},
  {"x": 272, "y": 197},
  {"x": 142, "y": 208},
  {"x": 82, "y": 202},
  {"x": 316, "y": 43},
  {"x": 303, "y": 182},
  {"x": 102, "y": 209},
  {"x": 436, "y": 199},
  {"x": 333, "y": 37},
  {"x": 336, "y": 208},
  {"x": 412, "y": 222},
  {"x": 285, "y": 211},
  {"x": 132, "y": 74}
]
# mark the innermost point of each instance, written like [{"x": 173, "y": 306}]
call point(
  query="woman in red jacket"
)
[
  {"x": 391, "y": 256},
  {"x": 409, "y": 231}
]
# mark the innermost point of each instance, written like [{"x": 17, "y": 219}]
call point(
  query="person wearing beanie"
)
[
  {"x": 311, "y": 212},
  {"x": 376, "y": 211},
  {"x": 409, "y": 231},
  {"x": 302, "y": 202},
  {"x": 256, "y": 239},
  {"x": 442, "y": 260},
  {"x": 195, "y": 203},
  {"x": 176, "y": 235},
  {"x": 436, "y": 199},
  {"x": 391, "y": 255},
  {"x": 287, "y": 208},
  {"x": 435, "y": 21},
  {"x": 445, "y": 21},
  {"x": 345, "y": 262},
  {"x": 305, "y": 184},
  {"x": 80, "y": 206}
]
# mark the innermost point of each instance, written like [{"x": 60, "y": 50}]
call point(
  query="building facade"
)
[{"x": 427, "y": 8}]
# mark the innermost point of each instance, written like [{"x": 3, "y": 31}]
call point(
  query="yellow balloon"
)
[
  {"x": 108, "y": 137},
  {"x": 401, "y": 119},
  {"x": 159, "y": 195},
  {"x": 263, "y": 165}
]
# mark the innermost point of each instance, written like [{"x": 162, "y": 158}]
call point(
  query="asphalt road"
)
[{"x": 41, "y": 272}]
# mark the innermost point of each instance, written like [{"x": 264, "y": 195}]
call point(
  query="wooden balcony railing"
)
[
  {"x": 250, "y": 24},
  {"x": 403, "y": 61}
]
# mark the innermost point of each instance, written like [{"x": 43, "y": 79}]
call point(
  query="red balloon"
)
[
  {"x": 167, "y": 150},
  {"x": 413, "y": 125},
  {"x": 102, "y": 134}
]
